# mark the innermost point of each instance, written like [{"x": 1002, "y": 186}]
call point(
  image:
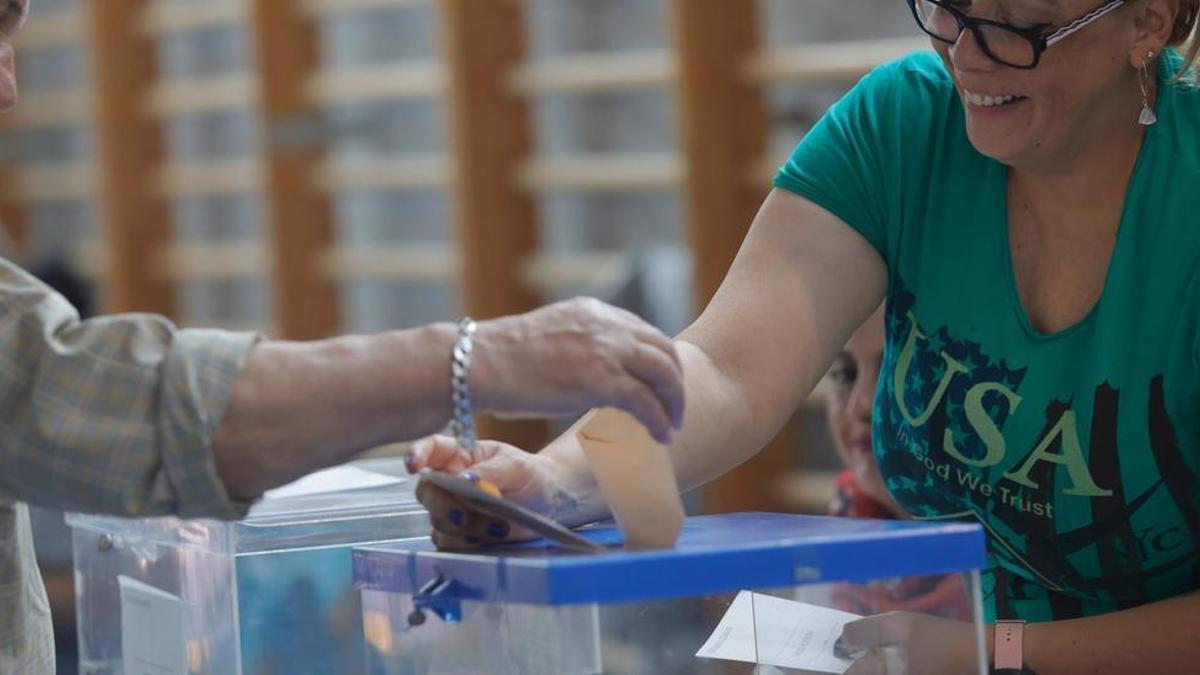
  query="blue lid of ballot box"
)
[{"x": 715, "y": 554}]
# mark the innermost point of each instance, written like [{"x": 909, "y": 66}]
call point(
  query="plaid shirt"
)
[{"x": 114, "y": 415}]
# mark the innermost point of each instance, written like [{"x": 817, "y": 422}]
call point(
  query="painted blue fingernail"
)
[
  {"x": 498, "y": 530},
  {"x": 470, "y": 475},
  {"x": 839, "y": 649},
  {"x": 842, "y": 651},
  {"x": 473, "y": 540},
  {"x": 456, "y": 516}
]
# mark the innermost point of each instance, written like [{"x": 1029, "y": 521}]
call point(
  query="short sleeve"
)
[{"x": 850, "y": 163}]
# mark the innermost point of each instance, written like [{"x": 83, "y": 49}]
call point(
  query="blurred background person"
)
[{"x": 860, "y": 491}]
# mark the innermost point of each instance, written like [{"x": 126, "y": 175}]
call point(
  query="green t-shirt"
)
[{"x": 1078, "y": 451}]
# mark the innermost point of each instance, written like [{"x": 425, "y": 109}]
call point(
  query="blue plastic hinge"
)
[{"x": 433, "y": 597}]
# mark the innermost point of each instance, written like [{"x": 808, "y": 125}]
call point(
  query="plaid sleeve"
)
[{"x": 115, "y": 415}]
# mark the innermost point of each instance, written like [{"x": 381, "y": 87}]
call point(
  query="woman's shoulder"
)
[
  {"x": 916, "y": 86},
  {"x": 1183, "y": 87},
  {"x": 1184, "y": 96},
  {"x": 921, "y": 71}
]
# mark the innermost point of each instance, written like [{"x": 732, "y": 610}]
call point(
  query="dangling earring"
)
[{"x": 1147, "y": 118}]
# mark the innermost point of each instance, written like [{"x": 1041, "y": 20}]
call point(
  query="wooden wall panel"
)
[
  {"x": 490, "y": 139},
  {"x": 725, "y": 129},
  {"x": 299, "y": 214},
  {"x": 134, "y": 220}
]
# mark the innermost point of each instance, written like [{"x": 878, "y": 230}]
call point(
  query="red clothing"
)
[
  {"x": 942, "y": 596},
  {"x": 851, "y": 502}
]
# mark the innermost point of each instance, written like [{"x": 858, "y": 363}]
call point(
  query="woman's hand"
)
[
  {"x": 906, "y": 643},
  {"x": 526, "y": 479},
  {"x": 572, "y": 356}
]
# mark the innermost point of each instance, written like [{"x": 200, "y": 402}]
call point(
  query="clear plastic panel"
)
[
  {"x": 902, "y": 626},
  {"x": 198, "y": 582},
  {"x": 789, "y": 630},
  {"x": 273, "y": 593}
]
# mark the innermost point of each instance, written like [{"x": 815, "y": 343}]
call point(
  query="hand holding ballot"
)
[
  {"x": 523, "y": 478},
  {"x": 631, "y": 476},
  {"x": 908, "y": 642}
]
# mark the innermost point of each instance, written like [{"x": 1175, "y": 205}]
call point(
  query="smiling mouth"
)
[{"x": 990, "y": 101}]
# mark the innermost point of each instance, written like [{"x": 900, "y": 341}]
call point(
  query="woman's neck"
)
[{"x": 1097, "y": 162}]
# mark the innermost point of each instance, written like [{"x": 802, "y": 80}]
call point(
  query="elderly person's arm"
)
[
  {"x": 300, "y": 406},
  {"x": 128, "y": 415}
]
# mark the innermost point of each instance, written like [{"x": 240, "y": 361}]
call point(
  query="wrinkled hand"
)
[
  {"x": 906, "y": 643},
  {"x": 524, "y": 478},
  {"x": 572, "y": 356}
]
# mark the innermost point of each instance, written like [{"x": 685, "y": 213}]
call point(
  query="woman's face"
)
[
  {"x": 1082, "y": 87},
  {"x": 848, "y": 408},
  {"x": 12, "y": 16}
]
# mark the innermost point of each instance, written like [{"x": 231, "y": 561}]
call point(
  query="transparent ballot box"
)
[
  {"x": 273, "y": 593},
  {"x": 741, "y": 593}
]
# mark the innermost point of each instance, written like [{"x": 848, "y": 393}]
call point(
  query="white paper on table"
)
[
  {"x": 151, "y": 630},
  {"x": 774, "y": 631},
  {"x": 332, "y": 480}
]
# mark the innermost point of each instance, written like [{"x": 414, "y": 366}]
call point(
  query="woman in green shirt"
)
[{"x": 1026, "y": 200}]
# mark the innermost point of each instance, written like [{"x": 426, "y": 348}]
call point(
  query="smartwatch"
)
[{"x": 1008, "y": 651}]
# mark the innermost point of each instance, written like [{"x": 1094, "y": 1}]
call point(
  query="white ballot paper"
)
[
  {"x": 151, "y": 630},
  {"x": 337, "y": 479},
  {"x": 635, "y": 476},
  {"x": 773, "y": 631}
]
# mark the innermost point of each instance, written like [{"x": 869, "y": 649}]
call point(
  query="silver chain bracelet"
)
[{"x": 463, "y": 423}]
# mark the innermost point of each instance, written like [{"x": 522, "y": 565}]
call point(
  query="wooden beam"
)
[
  {"x": 413, "y": 264},
  {"x": 299, "y": 215},
  {"x": 591, "y": 269},
  {"x": 829, "y": 61},
  {"x": 605, "y": 72},
  {"x": 543, "y": 272},
  {"x": 49, "y": 182},
  {"x": 173, "y": 16},
  {"x": 364, "y": 84},
  {"x": 324, "y": 8},
  {"x": 415, "y": 173},
  {"x": 201, "y": 95},
  {"x": 208, "y": 178},
  {"x": 603, "y": 172},
  {"x": 54, "y": 28},
  {"x": 724, "y": 134},
  {"x": 224, "y": 261},
  {"x": 52, "y": 108},
  {"x": 484, "y": 43},
  {"x": 129, "y": 149}
]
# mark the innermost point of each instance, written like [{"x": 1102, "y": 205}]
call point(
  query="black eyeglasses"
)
[{"x": 1003, "y": 43}]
